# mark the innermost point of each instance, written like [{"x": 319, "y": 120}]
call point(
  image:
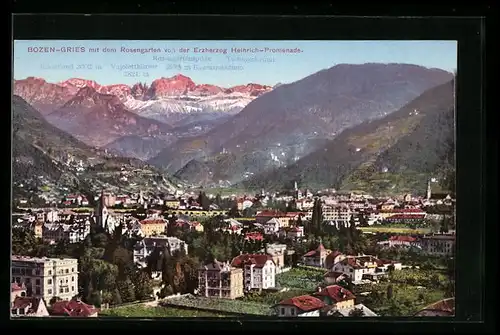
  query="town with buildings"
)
[{"x": 199, "y": 253}]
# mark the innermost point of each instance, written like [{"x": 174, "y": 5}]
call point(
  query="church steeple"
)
[
  {"x": 429, "y": 192},
  {"x": 101, "y": 212}
]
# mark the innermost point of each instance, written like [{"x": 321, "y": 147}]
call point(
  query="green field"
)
[
  {"x": 300, "y": 279},
  {"x": 141, "y": 311},
  {"x": 406, "y": 299},
  {"x": 397, "y": 230},
  {"x": 413, "y": 289}
]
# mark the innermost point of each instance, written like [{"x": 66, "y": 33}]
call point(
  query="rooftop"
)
[
  {"x": 259, "y": 260},
  {"x": 20, "y": 258},
  {"x": 73, "y": 308},
  {"x": 305, "y": 303},
  {"x": 445, "y": 307},
  {"x": 336, "y": 293}
]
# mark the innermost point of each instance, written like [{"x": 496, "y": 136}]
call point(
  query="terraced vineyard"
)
[
  {"x": 219, "y": 305},
  {"x": 300, "y": 278},
  {"x": 139, "y": 311}
]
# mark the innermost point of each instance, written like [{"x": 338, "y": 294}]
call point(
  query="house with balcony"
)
[
  {"x": 220, "y": 280},
  {"x": 259, "y": 271},
  {"x": 354, "y": 267}
]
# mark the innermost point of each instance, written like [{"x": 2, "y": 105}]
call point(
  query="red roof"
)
[
  {"x": 336, "y": 293},
  {"x": 305, "y": 303},
  {"x": 254, "y": 236},
  {"x": 405, "y": 210},
  {"x": 23, "y": 302},
  {"x": 319, "y": 249},
  {"x": 73, "y": 308},
  {"x": 292, "y": 214},
  {"x": 16, "y": 287},
  {"x": 402, "y": 238},
  {"x": 381, "y": 262},
  {"x": 331, "y": 258},
  {"x": 258, "y": 259},
  {"x": 406, "y": 216},
  {"x": 152, "y": 221},
  {"x": 351, "y": 261},
  {"x": 270, "y": 214}
]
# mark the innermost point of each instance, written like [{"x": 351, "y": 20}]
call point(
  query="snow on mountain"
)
[
  {"x": 172, "y": 109},
  {"x": 167, "y": 100}
]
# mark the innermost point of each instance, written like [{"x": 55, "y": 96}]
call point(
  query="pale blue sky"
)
[{"x": 285, "y": 68}]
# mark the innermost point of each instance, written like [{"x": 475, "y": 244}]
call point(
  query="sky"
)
[{"x": 264, "y": 62}]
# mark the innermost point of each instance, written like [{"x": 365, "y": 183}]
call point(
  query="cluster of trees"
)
[{"x": 107, "y": 273}]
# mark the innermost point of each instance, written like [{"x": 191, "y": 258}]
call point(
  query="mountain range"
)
[
  {"x": 293, "y": 120},
  {"x": 135, "y": 121},
  {"x": 249, "y": 135},
  {"x": 399, "y": 152},
  {"x": 40, "y": 149}
]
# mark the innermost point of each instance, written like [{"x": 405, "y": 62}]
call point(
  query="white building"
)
[
  {"x": 46, "y": 277},
  {"x": 278, "y": 253},
  {"x": 356, "y": 266},
  {"x": 272, "y": 226},
  {"x": 336, "y": 213},
  {"x": 259, "y": 271}
]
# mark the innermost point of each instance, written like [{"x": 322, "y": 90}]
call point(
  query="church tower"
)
[
  {"x": 141, "y": 198},
  {"x": 429, "y": 192},
  {"x": 101, "y": 211}
]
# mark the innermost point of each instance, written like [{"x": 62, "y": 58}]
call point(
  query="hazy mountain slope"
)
[
  {"x": 400, "y": 151},
  {"x": 136, "y": 146},
  {"x": 41, "y": 149},
  {"x": 284, "y": 124},
  {"x": 98, "y": 119}
]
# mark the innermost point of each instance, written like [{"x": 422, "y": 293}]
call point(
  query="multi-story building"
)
[
  {"x": 146, "y": 246},
  {"x": 259, "y": 271},
  {"x": 284, "y": 219},
  {"x": 278, "y": 253},
  {"x": 220, "y": 280},
  {"x": 439, "y": 244},
  {"x": 46, "y": 277},
  {"x": 151, "y": 227},
  {"x": 340, "y": 213},
  {"x": 356, "y": 266},
  {"x": 336, "y": 213}
]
